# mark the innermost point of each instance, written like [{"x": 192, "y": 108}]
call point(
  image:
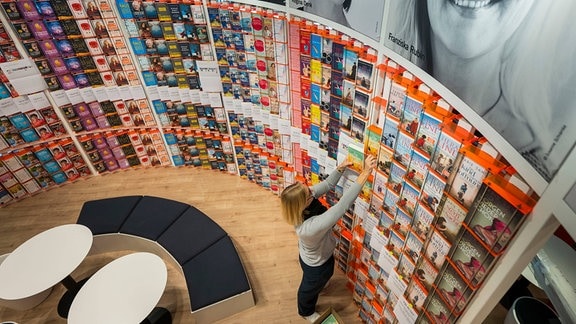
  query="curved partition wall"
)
[{"x": 468, "y": 134}]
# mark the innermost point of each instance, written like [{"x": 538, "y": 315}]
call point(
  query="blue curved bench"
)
[{"x": 206, "y": 256}]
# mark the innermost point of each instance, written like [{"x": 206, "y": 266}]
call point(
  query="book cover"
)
[
  {"x": 450, "y": 218},
  {"x": 445, "y": 154},
  {"x": 390, "y": 200},
  {"x": 358, "y": 128},
  {"x": 438, "y": 310},
  {"x": 350, "y": 64},
  {"x": 395, "y": 244},
  {"x": 413, "y": 247},
  {"x": 348, "y": 90},
  {"x": 418, "y": 168},
  {"x": 385, "y": 157},
  {"x": 432, "y": 191},
  {"x": 390, "y": 132},
  {"x": 372, "y": 144},
  {"x": 423, "y": 218},
  {"x": 428, "y": 133},
  {"x": 426, "y": 274},
  {"x": 376, "y": 203},
  {"x": 315, "y": 46},
  {"x": 361, "y": 100},
  {"x": 396, "y": 178},
  {"x": 467, "y": 180},
  {"x": 336, "y": 83},
  {"x": 416, "y": 295},
  {"x": 437, "y": 249},
  {"x": 471, "y": 258},
  {"x": 197, "y": 12},
  {"x": 493, "y": 218},
  {"x": 402, "y": 222},
  {"x": 403, "y": 148},
  {"x": 411, "y": 115},
  {"x": 409, "y": 198},
  {"x": 453, "y": 289},
  {"x": 396, "y": 100},
  {"x": 316, "y": 71},
  {"x": 356, "y": 156},
  {"x": 337, "y": 56},
  {"x": 405, "y": 268}
]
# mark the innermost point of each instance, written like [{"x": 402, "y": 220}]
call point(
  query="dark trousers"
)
[{"x": 313, "y": 280}]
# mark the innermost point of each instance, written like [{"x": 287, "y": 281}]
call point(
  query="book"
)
[
  {"x": 409, "y": 198},
  {"x": 423, "y": 218},
  {"x": 432, "y": 191},
  {"x": 426, "y": 274},
  {"x": 389, "y": 203},
  {"x": 497, "y": 213},
  {"x": 403, "y": 148},
  {"x": 437, "y": 249},
  {"x": 450, "y": 141},
  {"x": 437, "y": 309},
  {"x": 471, "y": 258},
  {"x": 396, "y": 100},
  {"x": 337, "y": 56},
  {"x": 390, "y": 132},
  {"x": 416, "y": 295},
  {"x": 365, "y": 73},
  {"x": 405, "y": 268},
  {"x": 411, "y": 115},
  {"x": 361, "y": 100},
  {"x": 396, "y": 178},
  {"x": 385, "y": 157},
  {"x": 348, "y": 92},
  {"x": 358, "y": 128},
  {"x": 453, "y": 289},
  {"x": 356, "y": 156},
  {"x": 350, "y": 64},
  {"x": 450, "y": 218},
  {"x": 418, "y": 168},
  {"x": 428, "y": 133},
  {"x": 402, "y": 222}
]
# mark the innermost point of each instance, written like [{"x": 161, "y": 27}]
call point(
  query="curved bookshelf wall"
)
[{"x": 274, "y": 94}]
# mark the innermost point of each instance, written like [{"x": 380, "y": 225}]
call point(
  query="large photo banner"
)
[
  {"x": 364, "y": 16},
  {"x": 511, "y": 61}
]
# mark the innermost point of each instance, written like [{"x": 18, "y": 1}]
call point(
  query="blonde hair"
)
[{"x": 293, "y": 202}]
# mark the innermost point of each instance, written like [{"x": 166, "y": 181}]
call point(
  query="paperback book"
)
[
  {"x": 408, "y": 198},
  {"x": 467, "y": 180},
  {"x": 396, "y": 100},
  {"x": 402, "y": 222},
  {"x": 450, "y": 218},
  {"x": 437, "y": 249},
  {"x": 428, "y": 133},
  {"x": 471, "y": 258},
  {"x": 418, "y": 168},
  {"x": 426, "y": 273},
  {"x": 390, "y": 132},
  {"x": 385, "y": 157},
  {"x": 411, "y": 115},
  {"x": 423, "y": 218},
  {"x": 453, "y": 289},
  {"x": 396, "y": 178},
  {"x": 390, "y": 200}
]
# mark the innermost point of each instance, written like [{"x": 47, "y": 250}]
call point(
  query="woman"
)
[
  {"x": 313, "y": 224},
  {"x": 511, "y": 61}
]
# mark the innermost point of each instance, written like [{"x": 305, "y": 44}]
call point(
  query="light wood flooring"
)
[{"x": 247, "y": 212}]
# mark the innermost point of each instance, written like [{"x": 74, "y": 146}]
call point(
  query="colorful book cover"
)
[
  {"x": 426, "y": 273},
  {"x": 316, "y": 93},
  {"x": 413, "y": 247},
  {"x": 395, "y": 244},
  {"x": 403, "y": 148},
  {"x": 450, "y": 218},
  {"x": 361, "y": 100},
  {"x": 437, "y": 249},
  {"x": 376, "y": 203},
  {"x": 315, "y": 114},
  {"x": 445, "y": 154},
  {"x": 416, "y": 295},
  {"x": 358, "y": 128},
  {"x": 337, "y": 56},
  {"x": 409, "y": 198},
  {"x": 438, "y": 310},
  {"x": 432, "y": 191},
  {"x": 346, "y": 117},
  {"x": 396, "y": 178},
  {"x": 493, "y": 218},
  {"x": 405, "y": 268},
  {"x": 390, "y": 132},
  {"x": 348, "y": 90},
  {"x": 336, "y": 83},
  {"x": 305, "y": 66},
  {"x": 372, "y": 144},
  {"x": 418, "y": 168},
  {"x": 428, "y": 133},
  {"x": 316, "y": 46},
  {"x": 454, "y": 289},
  {"x": 390, "y": 200},
  {"x": 385, "y": 157},
  {"x": 365, "y": 75},
  {"x": 356, "y": 156},
  {"x": 423, "y": 218},
  {"x": 411, "y": 115},
  {"x": 467, "y": 181},
  {"x": 472, "y": 259},
  {"x": 350, "y": 64},
  {"x": 396, "y": 100},
  {"x": 402, "y": 222},
  {"x": 316, "y": 71}
]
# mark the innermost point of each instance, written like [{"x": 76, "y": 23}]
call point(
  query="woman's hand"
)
[
  {"x": 369, "y": 163},
  {"x": 344, "y": 165}
]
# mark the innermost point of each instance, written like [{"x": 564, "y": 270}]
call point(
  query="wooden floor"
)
[{"x": 248, "y": 213}]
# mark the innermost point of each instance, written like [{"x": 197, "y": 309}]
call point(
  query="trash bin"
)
[{"x": 529, "y": 310}]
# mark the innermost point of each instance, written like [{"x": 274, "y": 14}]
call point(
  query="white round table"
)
[
  {"x": 125, "y": 290},
  {"x": 43, "y": 261}
]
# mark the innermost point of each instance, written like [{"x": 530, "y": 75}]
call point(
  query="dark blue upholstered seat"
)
[
  {"x": 152, "y": 216},
  {"x": 106, "y": 216},
  {"x": 215, "y": 274},
  {"x": 190, "y": 234}
]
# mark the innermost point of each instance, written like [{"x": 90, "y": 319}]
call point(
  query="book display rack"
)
[{"x": 273, "y": 95}]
